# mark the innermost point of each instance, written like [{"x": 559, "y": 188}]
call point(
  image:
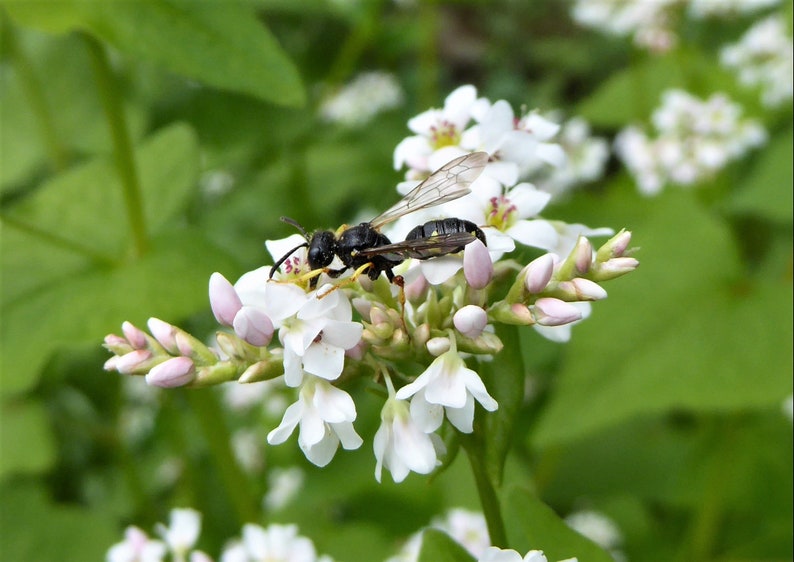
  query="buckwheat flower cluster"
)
[
  {"x": 586, "y": 159},
  {"x": 762, "y": 59},
  {"x": 356, "y": 103},
  {"x": 176, "y": 545},
  {"x": 649, "y": 23},
  {"x": 275, "y": 543},
  {"x": 421, "y": 339},
  {"x": 693, "y": 140}
]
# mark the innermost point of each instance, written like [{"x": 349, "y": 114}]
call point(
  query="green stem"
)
[
  {"x": 34, "y": 93},
  {"x": 211, "y": 419},
  {"x": 489, "y": 499},
  {"x": 123, "y": 154}
]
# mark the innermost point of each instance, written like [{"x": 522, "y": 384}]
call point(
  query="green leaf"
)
[
  {"x": 532, "y": 525},
  {"x": 83, "y": 208},
  {"x": 437, "y": 546},
  {"x": 683, "y": 331},
  {"x": 220, "y": 43},
  {"x": 60, "y": 70},
  {"x": 25, "y": 438},
  {"x": 36, "y": 529},
  {"x": 504, "y": 379},
  {"x": 169, "y": 282},
  {"x": 766, "y": 190}
]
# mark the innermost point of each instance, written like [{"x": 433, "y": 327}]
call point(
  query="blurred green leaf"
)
[
  {"x": 437, "y": 546},
  {"x": 222, "y": 44},
  {"x": 767, "y": 189},
  {"x": 60, "y": 69},
  {"x": 169, "y": 282},
  {"x": 25, "y": 438},
  {"x": 532, "y": 525},
  {"x": 683, "y": 331},
  {"x": 36, "y": 529},
  {"x": 78, "y": 216}
]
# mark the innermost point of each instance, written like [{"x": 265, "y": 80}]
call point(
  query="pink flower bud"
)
[
  {"x": 135, "y": 336},
  {"x": 134, "y": 362},
  {"x": 112, "y": 364},
  {"x": 587, "y": 290},
  {"x": 357, "y": 351},
  {"x": 177, "y": 371},
  {"x": 253, "y": 325},
  {"x": 362, "y": 306},
  {"x": 521, "y": 314},
  {"x": 620, "y": 242},
  {"x": 416, "y": 289},
  {"x": 616, "y": 267},
  {"x": 470, "y": 320},
  {"x": 538, "y": 273},
  {"x": 164, "y": 333},
  {"x": 477, "y": 265},
  {"x": 554, "y": 312},
  {"x": 583, "y": 255},
  {"x": 224, "y": 301}
]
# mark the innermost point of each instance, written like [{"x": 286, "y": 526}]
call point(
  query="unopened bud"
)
[
  {"x": 363, "y": 307},
  {"x": 516, "y": 313},
  {"x": 191, "y": 347},
  {"x": 470, "y": 320},
  {"x": 587, "y": 290},
  {"x": 437, "y": 346},
  {"x": 554, "y": 312},
  {"x": 135, "y": 336},
  {"x": 253, "y": 326},
  {"x": 477, "y": 265},
  {"x": 117, "y": 345},
  {"x": 210, "y": 375},
  {"x": 416, "y": 289},
  {"x": 615, "y": 247},
  {"x": 136, "y": 362},
  {"x": 615, "y": 267},
  {"x": 224, "y": 300},
  {"x": 164, "y": 333},
  {"x": 177, "y": 371},
  {"x": 583, "y": 255},
  {"x": 538, "y": 273}
]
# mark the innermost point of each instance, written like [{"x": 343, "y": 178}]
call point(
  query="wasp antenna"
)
[
  {"x": 293, "y": 222},
  {"x": 284, "y": 258}
]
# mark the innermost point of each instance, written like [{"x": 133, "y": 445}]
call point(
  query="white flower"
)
[
  {"x": 316, "y": 337},
  {"x": 597, "y": 527},
  {"x": 136, "y": 547},
  {"x": 182, "y": 532},
  {"x": 325, "y": 415},
  {"x": 467, "y": 527},
  {"x": 400, "y": 445},
  {"x": 708, "y": 8},
  {"x": 763, "y": 58},
  {"x": 586, "y": 158},
  {"x": 283, "y": 485},
  {"x": 695, "y": 140},
  {"x": 447, "y": 385},
  {"x": 276, "y": 543},
  {"x": 435, "y": 129},
  {"x": 647, "y": 21},
  {"x": 495, "y": 554},
  {"x": 365, "y": 96}
]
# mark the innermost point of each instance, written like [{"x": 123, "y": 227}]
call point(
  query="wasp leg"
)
[{"x": 343, "y": 282}]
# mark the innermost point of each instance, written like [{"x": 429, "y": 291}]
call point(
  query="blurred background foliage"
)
[{"x": 663, "y": 412}]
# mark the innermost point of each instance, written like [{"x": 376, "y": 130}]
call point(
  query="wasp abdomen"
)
[{"x": 440, "y": 229}]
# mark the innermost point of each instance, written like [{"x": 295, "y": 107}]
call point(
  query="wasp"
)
[{"x": 364, "y": 248}]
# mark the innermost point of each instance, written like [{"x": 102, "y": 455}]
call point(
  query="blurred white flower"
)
[
  {"x": 648, "y": 22},
  {"x": 356, "y": 103},
  {"x": 695, "y": 139},
  {"x": 763, "y": 59},
  {"x": 275, "y": 543},
  {"x": 182, "y": 532},
  {"x": 598, "y": 528},
  {"x": 723, "y": 8},
  {"x": 136, "y": 547}
]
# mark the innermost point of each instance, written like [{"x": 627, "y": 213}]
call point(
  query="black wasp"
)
[{"x": 364, "y": 245}]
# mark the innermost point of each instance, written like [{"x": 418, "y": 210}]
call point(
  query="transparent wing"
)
[
  {"x": 449, "y": 182},
  {"x": 423, "y": 248}
]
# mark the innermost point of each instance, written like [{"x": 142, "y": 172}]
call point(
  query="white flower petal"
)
[
  {"x": 342, "y": 334},
  {"x": 440, "y": 269},
  {"x": 321, "y": 452},
  {"x": 292, "y": 416},
  {"x": 462, "y": 418},
  {"x": 428, "y": 417},
  {"x": 324, "y": 360},
  {"x": 529, "y": 200},
  {"x": 537, "y": 233}
]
